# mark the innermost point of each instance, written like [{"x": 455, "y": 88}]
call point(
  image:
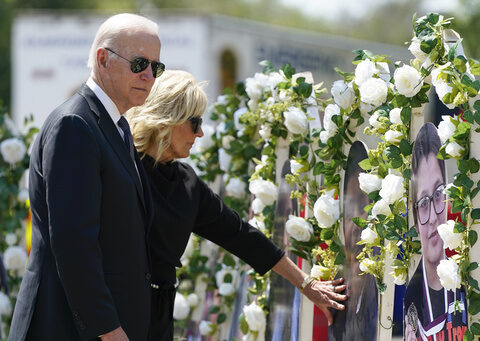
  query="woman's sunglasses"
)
[
  {"x": 139, "y": 64},
  {"x": 196, "y": 123}
]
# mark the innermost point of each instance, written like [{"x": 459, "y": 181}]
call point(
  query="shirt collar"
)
[{"x": 105, "y": 100}]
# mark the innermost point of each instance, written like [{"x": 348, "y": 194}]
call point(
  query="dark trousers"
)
[{"x": 161, "y": 321}]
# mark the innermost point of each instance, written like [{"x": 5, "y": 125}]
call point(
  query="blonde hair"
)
[
  {"x": 175, "y": 97},
  {"x": 108, "y": 33}
]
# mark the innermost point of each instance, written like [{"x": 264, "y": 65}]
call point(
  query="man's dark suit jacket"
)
[{"x": 89, "y": 270}]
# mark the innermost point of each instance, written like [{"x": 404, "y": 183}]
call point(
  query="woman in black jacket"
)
[{"x": 164, "y": 130}]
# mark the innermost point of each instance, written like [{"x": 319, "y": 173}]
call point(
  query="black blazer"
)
[{"x": 89, "y": 269}]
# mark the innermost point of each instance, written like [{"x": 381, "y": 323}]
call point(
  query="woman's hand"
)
[
  {"x": 409, "y": 333},
  {"x": 326, "y": 295}
]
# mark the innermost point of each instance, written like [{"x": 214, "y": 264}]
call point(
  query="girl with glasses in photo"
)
[{"x": 429, "y": 309}]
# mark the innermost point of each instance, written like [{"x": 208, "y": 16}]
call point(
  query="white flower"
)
[
  {"x": 11, "y": 239},
  {"x": 222, "y": 99},
  {"x": 205, "y": 328},
  {"x": 436, "y": 77},
  {"x": 295, "y": 120},
  {"x": 11, "y": 126},
  {"x": 326, "y": 210},
  {"x": 253, "y": 89},
  {"x": 255, "y": 317},
  {"x": 446, "y": 128},
  {"x": 373, "y": 120},
  {"x": 236, "y": 188},
  {"x": 257, "y": 206},
  {"x": 343, "y": 94},
  {"x": 415, "y": 49},
  {"x": 226, "y": 289},
  {"x": 367, "y": 265},
  {"x": 5, "y": 305},
  {"x": 454, "y": 149},
  {"x": 224, "y": 159},
  {"x": 223, "y": 274},
  {"x": 451, "y": 239},
  {"x": 13, "y": 150},
  {"x": 295, "y": 166},
  {"x": 447, "y": 270},
  {"x": 257, "y": 223},
  {"x": 324, "y": 136},
  {"x": 236, "y": 119},
  {"x": 273, "y": 79},
  {"x": 193, "y": 300},
  {"x": 442, "y": 89},
  {"x": 393, "y": 136},
  {"x": 22, "y": 195},
  {"x": 381, "y": 207},
  {"x": 220, "y": 129},
  {"x": 330, "y": 111},
  {"x": 408, "y": 81},
  {"x": 181, "y": 308},
  {"x": 395, "y": 116},
  {"x": 400, "y": 279},
  {"x": 369, "y": 182},
  {"x": 319, "y": 272},
  {"x": 392, "y": 188},
  {"x": 383, "y": 71},
  {"x": 368, "y": 235},
  {"x": 365, "y": 108},
  {"x": 299, "y": 228},
  {"x": 226, "y": 140},
  {"x": 205, "y": 142},
  {"x": 15, "y": 258},
  {"x": 265, "y": 131},
  {"x": 364, "y": 71},
  {"x": 373, "y": 91},
  {"x": 265, "y": 190}
]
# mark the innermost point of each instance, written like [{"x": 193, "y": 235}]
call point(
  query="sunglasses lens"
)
[
  {"x": 196, "y": 124},
  {"x": 157, "y": 69},
  {"x": 139, "y": 64}
]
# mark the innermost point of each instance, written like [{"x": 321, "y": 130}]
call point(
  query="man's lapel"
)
[{"x": 112, "y": 135}]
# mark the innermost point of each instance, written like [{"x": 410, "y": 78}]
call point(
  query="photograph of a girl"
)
[{"x": 429, "y": 309}]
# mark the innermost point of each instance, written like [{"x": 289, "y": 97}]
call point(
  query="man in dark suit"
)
[{"x": 88, "y": 272}]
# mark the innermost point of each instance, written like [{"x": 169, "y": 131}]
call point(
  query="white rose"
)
[
  {"x": 220, "y": 129},
  {"x": 295, "y": 166},
  {"x": 393, "y": 136},
  {"x": 224, "y": 272},
  {"x": 364, "y": 71},
  {"x": 392, "y": 188},
  {"x": 367, "y": 265},
  {"x": 365, "y": 108},
  {"x": 454, "y": 149},
  {"x": 330, "y": 111},
  {"x": 395, "y": 116},
  {"x": 451, "y": 239},
  {"x": 374, "y": 91},
  {"x": 319, "y": 272},
  {"x": 206, "y": 141},
  {"x": 400, "y": 279},
  {"x": 257, "y": 223},
  {"x": 381, "y": 207},
  {"x": 436, "y": 77},
  {"x": 343, "y": 94},
  {"x": 193, "y": 300},
  {"x": 15, "y": 258},
  {"x": 181, "y": 308},
  {"x": 224, "y": 159},
  {"x": 447, "y": 270},
  {"x": 253, "y": 89},
  {"x": 324, "y": 136},
  {"x": 257, "y": 206},
  {"x": 226, "y": 289},
  {"x": 442, "y": 89},
  {"x": 5, "y": 305},
  {"x": 373, "y": 120},
  {"x": 295, "y": 120},
  {"x": 236, "y": 118},
  {"x": 265, "y": 190},
  {"x": 299, "y": 228},
  {"x": 236, "y": 188},
  {"x": 408, "y": 81},
  {"x": 22, "y": 195},
  {"x": 415, "y": 49},
  {"x": 11, "y": 126},
  {"x": 274, "y": 78},
  {"x": 255, "y": 317},
  {"x": 368, "y": 235},
  {"x": 446, "y": 128},
  {"x": 205, "y": 328},
  {"x": 226, "y": 140},
  {"x": 369, "y": 182},
  {"x": 11, "y": 239},
  {"x": 13, "y": 150},
  {"x": 326, "y": 210},
  {"x": 222, "y": 99},
  {"x": 265, "y": 131}
]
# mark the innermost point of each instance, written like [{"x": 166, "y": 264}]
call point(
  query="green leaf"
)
[
  {"x": 476, "y": 213},
  {"x": 340, "y": 258},
  {"x": 221, "y": 318},
  {"x": 406, "y": 115},
  {"x": 468, "y": 116},
  {"x": 463, "y": 166},
  {"x": 472, "y": 237},
  {"x": 318, "y": 169},
  {"x": 459, "y": 62},
  {"x": 365, "y": 164},
  {"x": 474, "y": 165},
  {"x": 475, "y": 328},
  {"x": 468, "y": 336},
  {"x": 360, "y": 222},
  {"x": 228, "y": 260},
  {"x": 243, "y": 324},
  {"x": 474, "y": 303},
  {"x": 303, "y": 150},
  {"x": 458, "y": 227},
  {"x": 214, "y": 309},
  {"x": 326, "y": 234},
  {"x": 405, "y": 147},
  {"x": 411, "y": 233},
  {"x": 288, "y": 70},
  {"x": 472, "y": 266},
  {"x": 428, "y": 44}
]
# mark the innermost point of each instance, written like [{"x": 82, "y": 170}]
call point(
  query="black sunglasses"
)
[
  {"x": 140, "y": 63},
  {"x": 196, "y": 123}
]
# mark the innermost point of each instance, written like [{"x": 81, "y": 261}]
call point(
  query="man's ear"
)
[{"x": 102, "y": 57}]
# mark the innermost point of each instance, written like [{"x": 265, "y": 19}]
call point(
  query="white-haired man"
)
[{"x": 88, "y": 274}]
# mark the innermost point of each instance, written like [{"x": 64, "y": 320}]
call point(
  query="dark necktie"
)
[{"x": 127, "y": 137}]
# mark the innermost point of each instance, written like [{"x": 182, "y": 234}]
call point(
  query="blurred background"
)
[{"x": 44, "y": 43}]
